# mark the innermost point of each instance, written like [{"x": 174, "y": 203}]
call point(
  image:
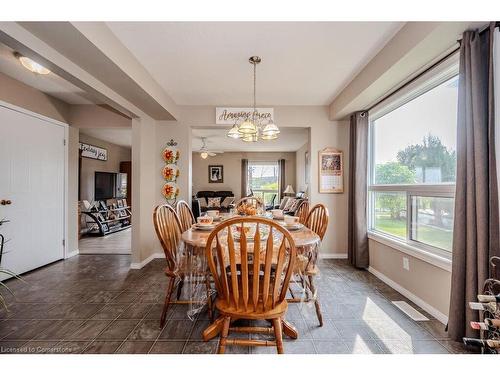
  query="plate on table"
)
[
  {"x": 197, "y": 226},
  {"x": 250, "y": 236},
  {"x": 296, "y": 226}
]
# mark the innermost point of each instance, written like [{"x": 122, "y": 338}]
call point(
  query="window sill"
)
[{"x": 436, "y": 260}]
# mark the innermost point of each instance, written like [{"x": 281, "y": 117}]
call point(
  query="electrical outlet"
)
[{"x": 406, "y": 263}]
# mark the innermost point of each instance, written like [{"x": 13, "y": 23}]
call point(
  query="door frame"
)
[{"x": 66, "y": 254}]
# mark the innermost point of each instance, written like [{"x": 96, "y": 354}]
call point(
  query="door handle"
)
[{"x": 5, "y": 202}]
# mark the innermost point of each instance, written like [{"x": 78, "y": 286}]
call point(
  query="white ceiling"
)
[
  {"x": 50, "y": 84},
  {"x": 290, "y": 139},
  {"x": 206, "y": 63},
  {"x": 117, "y": 136}
]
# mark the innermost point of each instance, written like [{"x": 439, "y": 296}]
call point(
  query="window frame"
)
[
  {"x": 435, "y": 255},
  {"x": 265, "y": 162}
]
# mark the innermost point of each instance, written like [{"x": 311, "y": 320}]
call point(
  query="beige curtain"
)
[
  {"x": 475, "y": 232},
  {"x": 358, "y": 164},
  {"x": 244, "y": 178}
]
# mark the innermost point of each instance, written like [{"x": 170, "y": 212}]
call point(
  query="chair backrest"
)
[
  {"x": 246, "y": 281},
  {"x": 317, "y": 220},
  {"x": 253, "y": 201},
  {"x": 186, "y": 217},
  {"x": 168, "y": 230},
  {"x": 303, "y": 211}
]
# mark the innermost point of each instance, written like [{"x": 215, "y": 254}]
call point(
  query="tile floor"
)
[{"x": 96, "y": 304}]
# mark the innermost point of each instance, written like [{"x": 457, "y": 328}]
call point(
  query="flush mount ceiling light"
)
[
  {"x": 31, "y": 65},
  {"x": 253, "y": 128}
]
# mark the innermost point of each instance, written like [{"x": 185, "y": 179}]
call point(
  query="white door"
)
[{"x": 32, "y": 179}]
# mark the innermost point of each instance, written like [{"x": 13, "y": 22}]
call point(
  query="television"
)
[{"x": 108, "y": 185}]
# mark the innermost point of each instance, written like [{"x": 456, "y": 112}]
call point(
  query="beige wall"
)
[
  {"x": 116, "y": 154},
  {"x": 232, "y": 169},
  {"x": 300, "y": 178},
  {"x": 21, "y": 95},
  {"x": 429, "y": 283},
  {"x": 95, "y": 116}
]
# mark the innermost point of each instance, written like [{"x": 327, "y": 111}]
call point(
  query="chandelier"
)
[{"x": 254, "y": 128}]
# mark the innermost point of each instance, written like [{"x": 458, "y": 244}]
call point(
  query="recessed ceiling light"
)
[{"x": 31, "y": 65}]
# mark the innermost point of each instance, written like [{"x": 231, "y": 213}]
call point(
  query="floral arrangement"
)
[{"x": 247, "y": 209}]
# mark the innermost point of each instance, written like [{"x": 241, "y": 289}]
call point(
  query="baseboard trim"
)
[
  {"x": 412, "y": 297},
  {"x": 72, "y": 254},
  {"x": 333, "y": 256},
  {"x": 138, "y": 266}
]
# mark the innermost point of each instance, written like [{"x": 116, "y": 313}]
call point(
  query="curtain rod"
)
[{"x": 455, "y": 50}]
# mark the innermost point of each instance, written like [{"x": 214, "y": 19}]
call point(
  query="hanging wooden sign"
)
[
  {"x": 229, "y": 116},
  {"x": 93, "y": 152}
]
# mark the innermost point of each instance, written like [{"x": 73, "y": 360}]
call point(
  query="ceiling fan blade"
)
[{"x": 211, "y": 153}]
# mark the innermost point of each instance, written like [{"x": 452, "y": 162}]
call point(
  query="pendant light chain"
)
[
  {"x": 254, "y": 90},
  {"x": 254, "y": 128}
]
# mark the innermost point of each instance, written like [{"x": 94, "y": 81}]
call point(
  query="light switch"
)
[{"x": 406, "y": 263}]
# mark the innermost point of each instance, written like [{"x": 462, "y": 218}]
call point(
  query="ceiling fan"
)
[{"x": 204, "y": 152}]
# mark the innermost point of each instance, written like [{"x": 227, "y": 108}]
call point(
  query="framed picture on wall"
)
[
  {"x": 331, "y": 171},
  {"x": 215, "y": 174}
]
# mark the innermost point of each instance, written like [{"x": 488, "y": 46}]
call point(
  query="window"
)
[
  {"x": 263, "y": 180},
  {"x": 413, "y": 166}
]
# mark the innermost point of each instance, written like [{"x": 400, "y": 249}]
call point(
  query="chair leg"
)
[
  {"x": 305, "y": 289},
  {"x": 223, "y": 335},
  {"x": 316, "y": 301},
  {"x": 179, "y": 288},
  {"x": 209, "y": 299},
  {"x": 279, "y": 335},
  {"x": 166, "y": 304}
]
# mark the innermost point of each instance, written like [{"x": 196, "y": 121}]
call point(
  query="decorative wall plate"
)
[
  {"x": 170, "y": 172},
  {"x": 170, "y": 191},
  {"x": 171, "y": 154}
]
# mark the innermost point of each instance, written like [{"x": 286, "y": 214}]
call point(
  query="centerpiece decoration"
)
[{"x": 247, "y": 209}]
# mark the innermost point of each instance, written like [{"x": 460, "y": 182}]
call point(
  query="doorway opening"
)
[
  {"x": 225, "y": 169},
  {"x": 104, "y": 191}
]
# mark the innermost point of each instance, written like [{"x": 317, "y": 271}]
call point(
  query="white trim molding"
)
[
  {"x": 416, "y": 252},
  {"x": 138, "y": 266},
  {"x": 333, "y": 256},
  {"x": 72, "y": 254},
  {"x": 443, "y": 318}
]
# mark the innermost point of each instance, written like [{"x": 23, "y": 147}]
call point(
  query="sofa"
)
[
  {"x": 200, "y": 201},
  {"x": 291, "y": 208}
]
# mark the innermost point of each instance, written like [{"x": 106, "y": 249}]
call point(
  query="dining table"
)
[{"x": 194, "y": 240}]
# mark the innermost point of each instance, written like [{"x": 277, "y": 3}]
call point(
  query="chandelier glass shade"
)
[
  {"x": 248, "y": 127},
  {"x": 253, "y": 128},
  {"x": 234, "y": 132}
]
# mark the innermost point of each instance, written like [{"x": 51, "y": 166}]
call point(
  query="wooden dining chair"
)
[
  {"x": 186, "y": 217},
  {"x": 317, "y": 221},
  {"x": 303, "y": 211},
  {"x": 249, "y": 286},
  {"x": 168, "y": 229},
  {"x": 253, "y": 201}
]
